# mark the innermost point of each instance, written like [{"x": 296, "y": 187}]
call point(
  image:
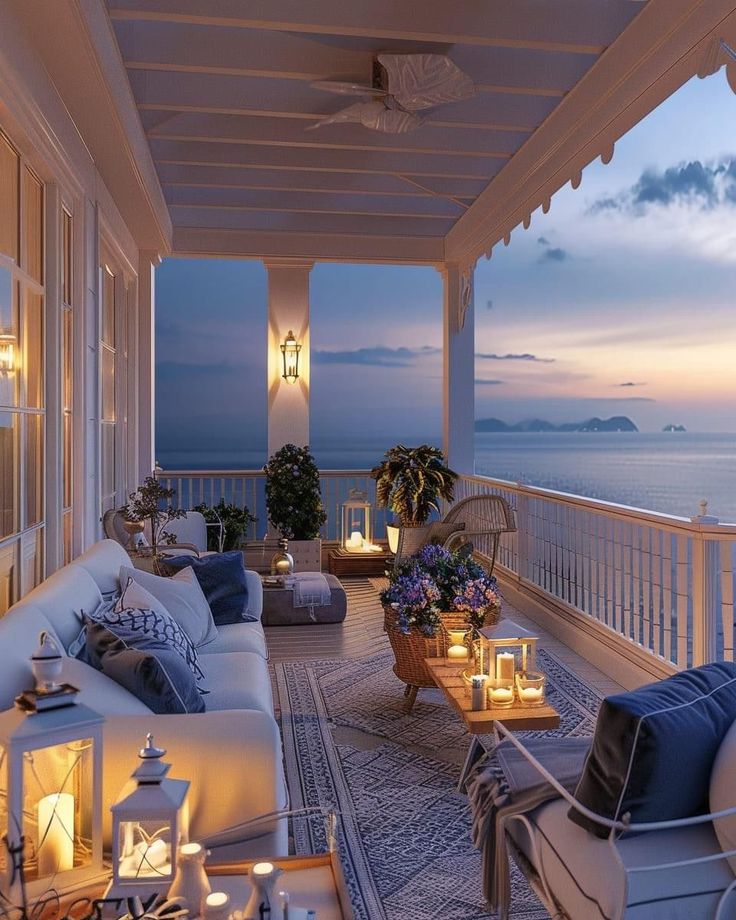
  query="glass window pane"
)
[
  {"x": 33, "y": 361},
  {"x": 8, "y": 341},
  {"x": 67, "y": 460},
  {"x": 66, "y": 260},
  {"x": 108, "y": 465},
  {"x": 33, "y": 225},
  {"x": 8, "y": 490},
  {"x": 68, "y": 537},
  {"x": 8, "y": 576},
  {"x": 9, "y": 164},
  {"x": 33, "y": 462},
  {"x": 108, "y": 308},
  {"x": 67, "y": 359},
  {"x": 108, "y": 384},
  {"x": 31, "y": 551}
]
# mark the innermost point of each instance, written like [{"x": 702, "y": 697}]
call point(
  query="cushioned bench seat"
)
[{"x": 279, "y": 609}]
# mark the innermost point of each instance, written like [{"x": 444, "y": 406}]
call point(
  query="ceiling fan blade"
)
[
  {"x": 420, "y": 81},
  {"x": 347, "y": 89},
  {"x": 373, "y": 115}
]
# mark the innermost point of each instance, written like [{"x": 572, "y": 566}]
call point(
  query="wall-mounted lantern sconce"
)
[
  {"x": 290, "y": 358},
  {"x": 7, "y": 354}
]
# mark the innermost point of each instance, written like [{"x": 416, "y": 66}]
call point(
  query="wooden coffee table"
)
[{"x": 447, "y": 676}]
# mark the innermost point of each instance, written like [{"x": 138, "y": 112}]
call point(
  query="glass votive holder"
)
[
  {"x": 500, "y": 692},
  {"x": 467, "y": 676},
  {"x": 530, "y": 688},
  {"x": 457, "y": 649}
]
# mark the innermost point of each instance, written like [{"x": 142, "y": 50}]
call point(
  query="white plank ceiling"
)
[{"x": 224, "y": 95}]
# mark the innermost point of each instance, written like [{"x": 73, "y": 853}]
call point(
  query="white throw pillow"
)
[
  {"x": 723, "y": 793},
  {"x": 183, "y": 599}
]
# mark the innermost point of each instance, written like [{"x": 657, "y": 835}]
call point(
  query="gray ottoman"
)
[{"x": 279, "y": 609}]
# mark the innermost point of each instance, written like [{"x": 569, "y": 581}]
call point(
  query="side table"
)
[{"x": 483, "y": 721}]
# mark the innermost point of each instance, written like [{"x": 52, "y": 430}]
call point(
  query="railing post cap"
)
[{"x": 704, "y": 517}]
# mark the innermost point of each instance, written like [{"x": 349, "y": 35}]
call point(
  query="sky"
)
[{"x": 618, "y": 301}]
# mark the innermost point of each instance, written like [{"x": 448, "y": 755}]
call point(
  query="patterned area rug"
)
[{"x": 404, "y": 832}]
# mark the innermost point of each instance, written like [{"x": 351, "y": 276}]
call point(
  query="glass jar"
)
[{"x": 530, "y": 688}]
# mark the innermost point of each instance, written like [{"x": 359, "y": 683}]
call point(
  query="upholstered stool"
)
[{"x": 279, "y": 609}]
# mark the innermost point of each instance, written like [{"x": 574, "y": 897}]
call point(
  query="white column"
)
[
  {"x": 87, "y": 384},
  {"x": 459, "y": 368},
  {"x": 288, "y": 311},
  {"x": 147, "y": 263}
]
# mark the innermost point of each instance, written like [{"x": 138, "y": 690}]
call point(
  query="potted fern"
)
[
  {"x": 411, "y": 481},
  {"x": 294, "y": 503}
]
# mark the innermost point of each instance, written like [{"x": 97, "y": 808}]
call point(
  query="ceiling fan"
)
[{"x": 402, "y": 85}]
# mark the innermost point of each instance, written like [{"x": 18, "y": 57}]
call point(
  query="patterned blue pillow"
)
[{"x": 143, "y": 630}]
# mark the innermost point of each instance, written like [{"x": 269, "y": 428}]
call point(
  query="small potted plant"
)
[
  {"x": 235, "y": 522},
  {"x": 294, "y": 503},
  {"x": 411, "y": 481},
  {"x": 151, "y": 504}
]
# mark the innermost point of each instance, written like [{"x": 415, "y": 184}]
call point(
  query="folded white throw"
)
[{"x": 311, "y": 589}]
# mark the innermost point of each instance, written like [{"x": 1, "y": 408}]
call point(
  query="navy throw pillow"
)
[
  {"x": 654, "y": 748},
  {"x": 221, "y": 577},
  {"x": 158, "y": 677}
]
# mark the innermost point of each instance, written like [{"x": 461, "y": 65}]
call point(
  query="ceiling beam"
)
[
  {"x": 576, "y": 26},
  {"x": 344, "y": 161},
  {"x": 342, "y": 247},
  {"x": 280, "y": 132}
]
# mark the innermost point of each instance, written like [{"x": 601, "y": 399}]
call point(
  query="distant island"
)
[
  {"x": 674, "y": 428},
  {"x": 615, "y": 423}
]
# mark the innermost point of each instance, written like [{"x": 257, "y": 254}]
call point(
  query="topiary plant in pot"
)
[
  {"x": 411, "y": 481},
  {"x": 294, "y": 503}
]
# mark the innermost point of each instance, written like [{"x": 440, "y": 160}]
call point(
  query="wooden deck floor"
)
[{"x": 362, "y": 634}]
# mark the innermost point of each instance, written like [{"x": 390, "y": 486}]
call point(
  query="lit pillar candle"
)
[
  {"x": 505, "y": 665},
  {"x": 356, "y": 539},
  {"x": 216, "y": 906},
  {"x": 55, "y": 833}
]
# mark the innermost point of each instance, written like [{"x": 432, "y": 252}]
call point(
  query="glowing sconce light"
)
[
  {"x": 7, "y": 353},
  {"x": 290, "y": 358}
]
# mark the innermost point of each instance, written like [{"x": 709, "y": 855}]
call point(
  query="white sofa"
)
[{"x": 231, "y": 753}]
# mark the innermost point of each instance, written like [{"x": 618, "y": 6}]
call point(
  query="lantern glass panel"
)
[
  {"x": 145, "y": 850},
  {"x": 57, "y": 808},
  {"x": 357, "y": 527}
]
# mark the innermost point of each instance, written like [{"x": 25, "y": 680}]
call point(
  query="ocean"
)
[{"x": 663, "y": 472}]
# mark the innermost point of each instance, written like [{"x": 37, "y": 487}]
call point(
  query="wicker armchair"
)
[{"x": 480, "y": 520}]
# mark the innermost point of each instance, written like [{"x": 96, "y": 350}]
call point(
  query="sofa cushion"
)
[
  {"x": 159, "y": 678},
  {"x": 722, "y": 794},
  {"x": 143, "y": 628},
  {"x": 19, "y": 632},
  {"x": 100, "y": 692},
  {"x": 182, "y": 597},
  {"x": 654, "y": 748},
  {"x": 238, "y": 637},
  {"x": 589, "y": 882},
  {"x": 237, "y": 680},
  {"x": 64, "y": 598},
  {"x": 222, "y": 578},
  {"x": 102, "y": 562}
]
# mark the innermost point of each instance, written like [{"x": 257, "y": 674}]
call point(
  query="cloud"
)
[
  {"x": 543, "y": 241},
  {"x": 488, "y": 383},
  {"x": 554, "y": 255},
  {"x": 378, "y": 356},
  {"x": 630, "y": 383},
  {"x": 704, "y": 185},
  {"x": 525, "y": 356}
]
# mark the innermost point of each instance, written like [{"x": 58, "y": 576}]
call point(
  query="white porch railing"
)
[
  {"x": 664, "y": 583},
  {"x": 247, "y": 488}
]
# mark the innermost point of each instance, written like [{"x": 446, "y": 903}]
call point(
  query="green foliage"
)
[
  {"x": 152, "y": 503},
  {"x": 293, "y": 495},
  {"x": 235, "y": 522},
  {"x": 411, "y": 481}
]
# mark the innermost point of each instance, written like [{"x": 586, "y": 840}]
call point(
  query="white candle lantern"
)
[
  {"x": 149, "y": 822},
  {"x": 356, "y": 532},
  {"x": 499, "y": 646},
  {"x": 50, "y": 799}
]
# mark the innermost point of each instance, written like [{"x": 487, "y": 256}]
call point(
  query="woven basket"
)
[{"x": 411, "y": 650}]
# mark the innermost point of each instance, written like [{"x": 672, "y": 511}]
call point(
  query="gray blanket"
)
[
  {"x": 311, "y": 589},
  {"x": 510, "y": 785}
]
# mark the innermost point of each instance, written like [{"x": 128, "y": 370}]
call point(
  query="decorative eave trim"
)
[{"x": 653, "y": 57}]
